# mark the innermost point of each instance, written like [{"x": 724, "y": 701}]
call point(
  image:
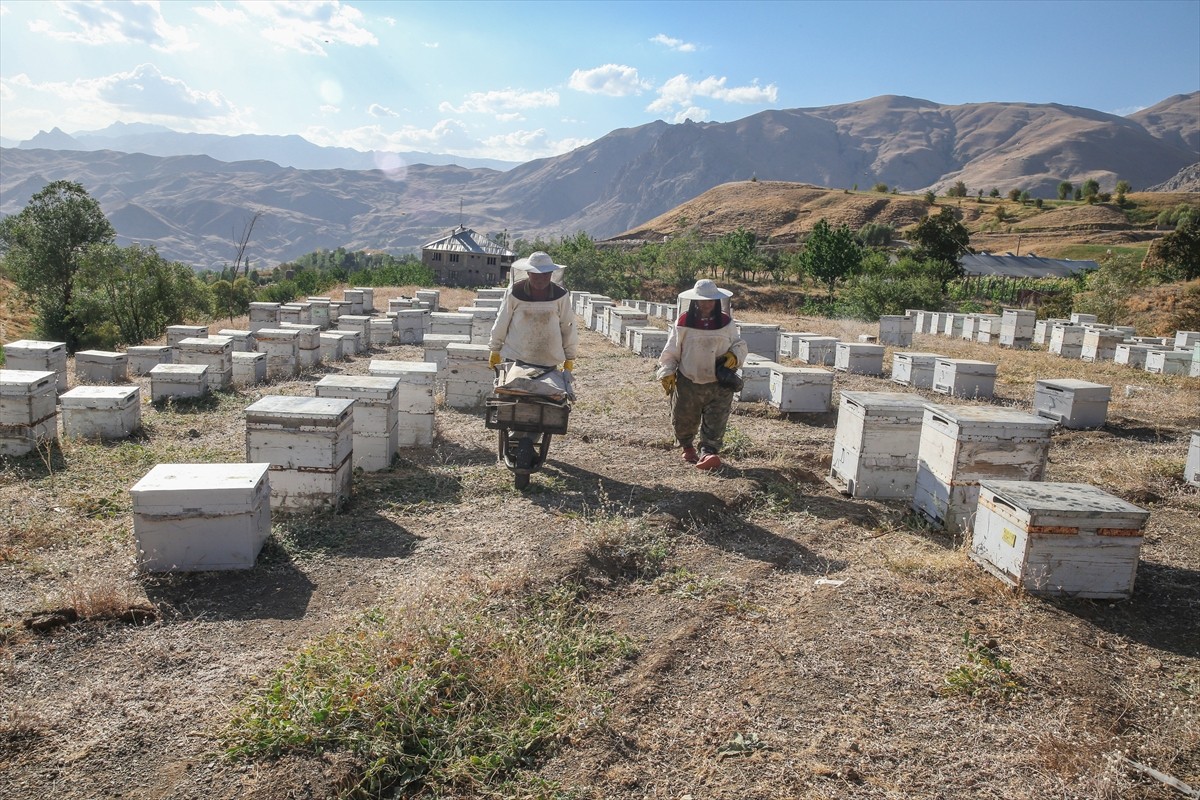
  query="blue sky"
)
[{"x": 523, "y": 80}]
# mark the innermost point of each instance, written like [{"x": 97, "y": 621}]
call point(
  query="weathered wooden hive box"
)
[
  {"x": 291, "y": 313},
  {"x": 1186, "y": 340},
  {"x": 875, "y": 446},
  {"x": 177, "y": 333},
  {"x": 243, "y": 341},
  {"x": 195, "y": 517},
  {"x": 355, "y": 298},
  {"x": 319, "y": 312},
  {"x": 37, "y": 356},
  {"x": 970, "y": 322},
  {"x": 356, "y": 323},
  {"x": 264, "y": 315},
  {"x": 1100, "y": 344},
  {"x": 987, "y": 328},
  {"x": 215, "y": 352},
  {"x": 412, "y": 324},
  {"x": 101, "y": 366},
  {"x": 382, "y": 331},
  {"x": 28, "y": 411},
  {"x": 804, "y": 390},
  {"x": 368, "y": 298},
  {"x": 308, "y": 343},
  {"x": 1058, "y": 539},
  {"x": 482, "y": 320},
  {"x": 933, "y": 322},
  {"x": 1016, "y": 327},
  {"x": 331, "y": 348},
  {"x": 249, "y": 369},
  {"x": 1067, "y": 340},
  {"x": 964, "y": 377},
  {"x": 859, "y": 358},
  {"x": 895, "y": 329},
  {"x": 375, "y": 430},
  {"x": 1072, "y": 403},
  {"x": 309, "y": 443},
  {"x": 594, "y": 310},
  {"x": 337, "y": 310},
  {"x": 761, "y": 339},
  {"x": 490, "y": 293},
  {"x": 182, "y": 381},
  {"x": 469, "y": 377},
  {"x": 281, "y": 347},
  {"x": 1042, "y": 328},
  {"x": 101, "y": 412},
  {"x": 952, "y": 325},
  {"x": 450, "y": 323},
  {"x": 435, "y": 345},
  {"x": 352, "y": 342},
  {"x": 1191, "y": 469},
  {"x": 431, "y": 297},
  {"x": 756, "y": 379},
  {"x": 620, "y": 319},
  {"x": 1083, "y": 319},
  {"x": 649, "y": 342},
  {"x": 963, "y": 445},
  {"x": 789, "y": 343},
  {"x": 1169, "y": 362},
  {"x": 414, "y": 399},
  {"x": 914, "y": 369},
  {"x": 818, "y": 351},
  {"x": 1132, "y": 355}
]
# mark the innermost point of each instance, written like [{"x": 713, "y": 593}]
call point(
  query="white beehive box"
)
[
  {"x": 1194, "y": 371},
  {"x": 962, "y": 445},
  {"x": 1191, "y": 469},
  {"x": 382, "y": 331},
  {"x": 100, "y": 366},
  {"x": 987, "y": 328},
  {"x": 308, "y": 441},
  {"x": 435, "y": 345},
  {"x": 414, "y": 394},
  {"x": 193, "y": 517},
  {"x": 179, "y": 381},
  {"x": 308, "y": 343},
  {"x": 970, "y": 322},
  {"x": 594, "y": 311},
  {"x": 760, "y": 338},
  {"x": 1072, "y": 403},
  {"x": 964, "y": 377},
  {"x": 319, "y": 312},
  {"x": 649, "y": 342},
  {"x": 331, "y": 348},
  {"x": 859, "y": 358},
  {"x": 622, "y": 318},
  {"x": 1016, "y": 327},
  {"x": 281, "y": 347},
  {"x": 177, "y": 333},
  {"x": 264, "y": 315},
  {"x": 914, "y": 369},
  {"x": 249, "y": 369},
  {"x": 801, "y": 390},
  {"x": 1169, "y": 362},
  {"x": 1186, "y": 340},
  {"x": 101, "y": 412},
  {"x": 1082, "y": 319},
  {"x": 875, "y": 445},
  {"x": 290, "y": 314},
  {"x": 933, "y": 322},
  {"x": 952, "y": 325},
  {"x": 27, "y": 396},
  {"x": 1132, "y": 355},
  {"x": 1058, "y": 539},
  {"x": 368, "y": 298},
  {"x": 1100, "y": 344},
  {"x": 375, "y": 416},
  {"x": 756, "y": 379},
  {"x": 894, "y": 329},
  {"x": 337, "y": 310},
  {"x": 37, "y": 356},
  {"x": 1043, "y": 327},
  {"x": 352, "y": 342},
  {"x": 433, "y": 297},
  {"x": 243, "y": 341},
  {"x": 355, "y": 298},
  {"x": 469, "y": 377},
  {"x": 411, "y": 325},
  {"x": 215, "y": 352},
  {"x": 818, "y": 351},
  {"x": 358, "y": 324},
  {"x": 450, "y": 324},
  {"x": 483, "y": 319}
]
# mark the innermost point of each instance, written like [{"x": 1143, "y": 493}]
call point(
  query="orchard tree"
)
[
  {"x": 1091, "y": 188},
  {"x": 1179, "y": 251},
  {"x": 941, "y": 238},
  {"x": 830, "y": 254},
  {"x": 43, "y": 247},
  {"x": 1064, "y": 190}
]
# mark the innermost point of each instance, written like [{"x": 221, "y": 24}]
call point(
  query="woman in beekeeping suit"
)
[
  {"x": 703, "y": 339},
  {"x": 535, "y": 325}
]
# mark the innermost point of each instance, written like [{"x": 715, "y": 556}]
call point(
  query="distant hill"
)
[{"x": 194, "y": 206}]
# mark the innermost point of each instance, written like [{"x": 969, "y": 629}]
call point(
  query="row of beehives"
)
[
  {"x": 979, "y": 470},
  {"x": 1080, "y": 337}
]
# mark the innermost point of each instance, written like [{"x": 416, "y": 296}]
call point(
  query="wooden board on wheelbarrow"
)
[{"x": 527, "y": 414}]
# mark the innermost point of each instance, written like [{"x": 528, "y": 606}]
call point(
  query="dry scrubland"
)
[{"x": 754, "y": 633}]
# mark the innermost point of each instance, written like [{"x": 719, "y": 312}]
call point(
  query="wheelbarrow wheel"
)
[{"x": 521, "y": 480}]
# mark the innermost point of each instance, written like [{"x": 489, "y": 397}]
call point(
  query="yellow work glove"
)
[
  {"x": 730, "y": 360},
  {"x": 494, "y": 358},
  {"x": 569, "y": 365},
  {"x": 668, "y": 383}
]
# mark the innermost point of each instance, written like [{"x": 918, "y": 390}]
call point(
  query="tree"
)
[
  {"x": 941, "y": 238},
  {"x": 994, "y": 192},
  {"x": 1064, "y": 190},
  {"x": 875, "y": 234},
  {"x": 1078, "y": 193},
  {"x": 1014, "y": 194},
  {"x": 930, "y": 198},
  {"x": 959, "y": 189},
  {"x": 880, "y": 187},
  {"x": 43, "y": 245},
  {"x": 1123, "y": 187},
  {"x": 1179, "y": 251},
  {"x": 1091, "y": 188},
  {"x": 1024, "y": 197},
  {"x": 830, "y": 254}
]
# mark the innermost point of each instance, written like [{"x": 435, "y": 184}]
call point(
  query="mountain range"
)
[{"x": 194, "y": 205}]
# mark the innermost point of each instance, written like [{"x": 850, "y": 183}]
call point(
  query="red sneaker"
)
[
  {"x": 709, "y": 461},
  {"x": 689, "y": 455}
]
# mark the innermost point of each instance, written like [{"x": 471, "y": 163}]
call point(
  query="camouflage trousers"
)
[{"x": 700, "y": 408}]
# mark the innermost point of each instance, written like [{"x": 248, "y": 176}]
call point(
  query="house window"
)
[
  {"x": 491, "y": 262},
  {"x": 454, "y": 258},
  {"x": 436, "y": 257}
]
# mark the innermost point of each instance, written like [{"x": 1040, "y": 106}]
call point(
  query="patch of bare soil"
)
[{"x": 795, "y": 643}]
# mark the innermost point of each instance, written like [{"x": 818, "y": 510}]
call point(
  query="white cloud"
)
[
  {"x": 3, "y": 9},
  {"x": 329, "y": 109},
  {"x": 449, "y": 136},
  {"x": 510, "y": 117},
  {"x": 677, "y": 45},
  {"x": 680, "y": 92},
  {"x": 219, "y": 14},
  {"x": 431, "y": 45},
  {"x": 101, "y": 23},
  {"x": 694, "y": 113},
  {"x": 1127, "y": 110},
  {"x": 501, "y": 102},
  {"x": 302, "y": 25},
  {"x": 376, "y": 110},
  {"x": 614, "y": 80}
]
